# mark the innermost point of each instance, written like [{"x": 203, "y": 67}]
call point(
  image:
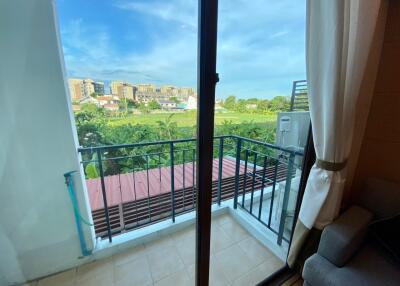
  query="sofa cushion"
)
[
  {"x": 387, "y": 233},
  {"x": 367, "y": 268},
  {"x": 342, "y": 238}
]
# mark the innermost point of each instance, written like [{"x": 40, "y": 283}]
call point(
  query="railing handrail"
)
[
  {"x": 109, "y": 224},
  {"x": 166, "y": 142}
]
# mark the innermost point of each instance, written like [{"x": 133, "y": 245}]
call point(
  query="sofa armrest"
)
[{"x": 341, "y": 239}]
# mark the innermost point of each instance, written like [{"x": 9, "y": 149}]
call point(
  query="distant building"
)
[
  {"x": 167, "y": 104},
  {"x": 75, "y": 88},
  {"x": 149, "y": 92},
  {"x": 191, "y": 103},
  {"x": 123, "y": 90},
  {"x": 251, "y": 106},
  {"x": 80, "y": 88},
  {"x": 107, "y": 99},
  {"x": 89, "y": 100},
  {"x": 88, "y": 87},
  {"x": 98, "y": 87},
  {"x": 146, "y": 88}
]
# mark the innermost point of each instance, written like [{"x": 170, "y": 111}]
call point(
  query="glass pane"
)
[
  {"x": 131, "y": 68},
  {"x": 261, "y": 63}
]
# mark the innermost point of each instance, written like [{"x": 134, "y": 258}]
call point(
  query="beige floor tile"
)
[
  {"x": 233, "y": 262},
  {"x": 223, "y": 219},
  {"x": 180, "y": 278},
  {"x": 134, "y": 272},
  {"x": 235, "y": 231},
  {"x": 219, "y": 239},
  {"x": 66, "y": 278},
  {"x": 103, "y": 268},
  {"x": 97, "y": 280},
  {"x": 255, "y": 250},
  {"x": 186, "y": 233},
  {"x": 164, "y": 262},
  {"x": 259, "y": 273},
  {"x": 217, "y": 276},
  {"x": 162, "y": 242},
  {"x": 187, "y": 250},
  {"x": 129, "y": 254},
  {"x": 271, "y": 265}
]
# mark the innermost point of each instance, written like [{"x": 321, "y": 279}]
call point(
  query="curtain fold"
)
[{"x": 338, "y": 41}]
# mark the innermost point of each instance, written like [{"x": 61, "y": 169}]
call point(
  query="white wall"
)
[{"x": 37, "y": 146}]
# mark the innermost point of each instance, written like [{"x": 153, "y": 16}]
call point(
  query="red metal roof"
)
[{"x": 129, "y": 187}]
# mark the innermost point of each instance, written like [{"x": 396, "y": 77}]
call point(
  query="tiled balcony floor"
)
[{"x": 237, "y": 258}]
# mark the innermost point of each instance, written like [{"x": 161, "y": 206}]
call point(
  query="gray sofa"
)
[{"x": 345, "y": 256}]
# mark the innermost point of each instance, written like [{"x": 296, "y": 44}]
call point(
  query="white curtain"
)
[{"x": 339, "y": 37}]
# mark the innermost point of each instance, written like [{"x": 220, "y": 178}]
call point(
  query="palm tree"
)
[{"x": 168, "y": 128}]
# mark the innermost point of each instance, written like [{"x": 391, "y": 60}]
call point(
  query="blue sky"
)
[{"x": 261, "y": 43}]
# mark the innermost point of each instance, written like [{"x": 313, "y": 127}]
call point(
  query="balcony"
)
[
  {"x": 143, "y": 200},
  {"x": 237, "y": 258},
  {"x": 142, "y": 184}
]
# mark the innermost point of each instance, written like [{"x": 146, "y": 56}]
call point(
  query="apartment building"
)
[
  {"x": 80, "y": 88},
  {"x": 123, "y": 90},
  {"x": 75, "y": 88}
]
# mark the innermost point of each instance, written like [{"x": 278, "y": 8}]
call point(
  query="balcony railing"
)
[{"x": 134, "y": 185}]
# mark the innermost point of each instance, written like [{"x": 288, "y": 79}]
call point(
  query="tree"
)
[
  {"x": 168, "y": 128},
  {"x": 241, "y": 105},
  {"x": 263, "y": 105},
  {"x": 154, "y": 105},
  {"x": 279, "y": 103},
  {"x": 253, "y": 101},
  {"x": 123, "y": 105},
  {"x": 132, "y": 103},
  {"x": 175, "y": 99},
  {"x": 143, "y": 108},
  {"x": 230, "y": 102}
]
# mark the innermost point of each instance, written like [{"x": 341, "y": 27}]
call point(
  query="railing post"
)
[
  {"x": 262, "y": 187},
  {"x": 237, "y": 172},
  {"x": 246, "y": 158},
  {"x": 103, "y": 190},
  {"x": 171, "y": 152},
  {"x": 271, "y": 206},
  {"x": 286, "y": 195},
  {"x": 253, "y": 183},
  {"x": 221, "y": 157}
]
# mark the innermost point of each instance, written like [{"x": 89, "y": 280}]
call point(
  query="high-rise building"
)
[
  {"x": 98, "y": 87},
  {"x": 76, "y": 88},
  {"x": 123, "y": 90},
  {"x": 88, "y": 87},
  {"x": 146, "y": 87},
  {"x": 80, "y": 88}
]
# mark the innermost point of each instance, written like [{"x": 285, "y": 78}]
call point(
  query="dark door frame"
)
[
  {"x": 280, "y": 276},
  {"x": 206, "y": 80}
]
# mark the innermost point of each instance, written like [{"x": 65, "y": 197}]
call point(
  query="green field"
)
[{"x": 188, "y": 119}]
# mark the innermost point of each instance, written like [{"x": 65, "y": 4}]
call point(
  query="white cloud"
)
[
  {"x": 182, "y": 11},
  {"x": 260, "y": 46}
]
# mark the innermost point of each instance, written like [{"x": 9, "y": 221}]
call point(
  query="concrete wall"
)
[
  {"x": 380, "y": 155},
  {"x": 38, "y": 145}
]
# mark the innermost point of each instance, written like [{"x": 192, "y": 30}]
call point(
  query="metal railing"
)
[{"x": 144, "y": 183}]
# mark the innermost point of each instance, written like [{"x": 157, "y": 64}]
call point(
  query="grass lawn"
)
[{"x": 188, "y": 119}]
